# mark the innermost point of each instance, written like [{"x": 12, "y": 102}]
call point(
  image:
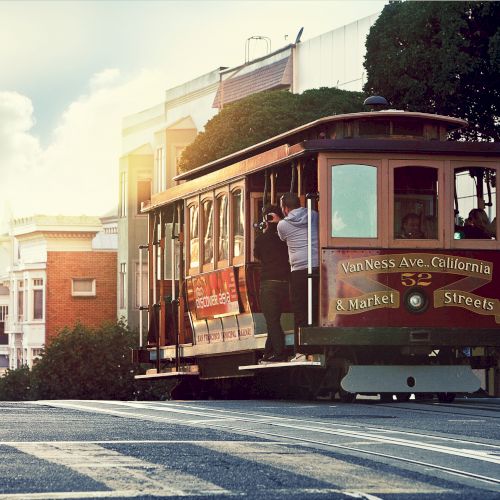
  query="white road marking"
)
[
  {"x": 344, "y": 475},
  {"x": 72, "y": 495},
  {"x": 301, "y": 425},
  {"x": 120, "y": 472}
]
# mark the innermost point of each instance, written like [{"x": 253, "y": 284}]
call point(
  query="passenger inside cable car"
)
[
  {"x": 411, "y": 227},
  {"x": 477, "y": 225}
]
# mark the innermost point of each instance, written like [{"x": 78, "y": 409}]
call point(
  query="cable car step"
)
[
  {"x": 183, "y": 372},
  {"x": 281, "y": 364}
]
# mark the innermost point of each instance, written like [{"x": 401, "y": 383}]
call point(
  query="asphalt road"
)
[{"x": 249, "y": 449}]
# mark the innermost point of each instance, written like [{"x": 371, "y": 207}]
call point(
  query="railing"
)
[{"x": 14, "y": 324}]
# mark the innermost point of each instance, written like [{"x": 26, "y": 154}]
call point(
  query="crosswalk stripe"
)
[
  {"x": 345, "y": 475},
  {"x": 120, "y": 472}
]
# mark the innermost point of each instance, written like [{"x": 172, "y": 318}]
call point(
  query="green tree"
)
[
  {"x": 441, "y": 57},
  {"x": 86, "y": 363},
  {"x": 262, "y": 116}
]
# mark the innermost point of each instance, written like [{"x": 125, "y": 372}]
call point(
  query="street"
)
[{"x": 251, "y": 449}]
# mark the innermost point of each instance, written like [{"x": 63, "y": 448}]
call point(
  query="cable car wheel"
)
[
  {"x": 446, "y": 397},
  {"x": 304, "y": 383}
]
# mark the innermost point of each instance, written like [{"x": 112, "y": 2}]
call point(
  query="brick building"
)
[{"x": 56, "y": 279}]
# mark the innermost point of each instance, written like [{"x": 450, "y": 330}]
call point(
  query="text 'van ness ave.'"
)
[{"x": 416, "y": 262}]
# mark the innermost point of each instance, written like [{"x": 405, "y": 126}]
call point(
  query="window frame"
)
[
  {"x": 439, "y": 165},
  {"x": 209, "y": 266},
  {"x": 240, "y": 259},
  {"x": 326, "y": 165},
  {"x": 219, "y": 193},
  {"x": 74, "y": 293},
  {"x": 194, "y": 201},
  {"x": 38, "y": 287},
  {"x": 471, "y": 243}
]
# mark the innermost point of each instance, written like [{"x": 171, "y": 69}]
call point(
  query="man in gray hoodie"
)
[{"x": 293, "y": 230}]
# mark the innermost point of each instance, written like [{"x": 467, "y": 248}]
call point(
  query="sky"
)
[{"x": 71, "y": 70}]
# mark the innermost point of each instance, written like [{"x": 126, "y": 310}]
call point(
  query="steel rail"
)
[{"x": 294, "y": 439}]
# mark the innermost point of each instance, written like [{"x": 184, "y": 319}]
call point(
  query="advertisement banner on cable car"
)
[
  {"x": 415, "y": 289},
  {"x": 213, "y": 294}
]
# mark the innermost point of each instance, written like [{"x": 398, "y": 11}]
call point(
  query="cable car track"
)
[
  {"x": 433, "y": 408},
  {"x": 231, "y": 421}
]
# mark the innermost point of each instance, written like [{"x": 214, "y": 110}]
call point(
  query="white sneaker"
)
[{"x": 298, "y": 357}]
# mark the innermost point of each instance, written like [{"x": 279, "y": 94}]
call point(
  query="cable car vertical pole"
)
[
  {"x": 141, "y": 291},
  {"x": 309, "y": 261},
  {"x": 181, "y": 307}
]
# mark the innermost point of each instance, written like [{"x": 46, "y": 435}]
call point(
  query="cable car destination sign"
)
[{"x": 416, "y": 270}]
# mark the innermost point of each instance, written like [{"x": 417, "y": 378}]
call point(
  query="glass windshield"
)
[{"x": 354, "y": 201}]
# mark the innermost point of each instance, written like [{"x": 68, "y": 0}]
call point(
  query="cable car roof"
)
[{"x": 449, "y": 122}]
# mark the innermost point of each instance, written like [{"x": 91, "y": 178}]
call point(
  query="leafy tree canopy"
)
[
  {"x": 262, "y": 116},
  {"x": 441, "y": 57}
]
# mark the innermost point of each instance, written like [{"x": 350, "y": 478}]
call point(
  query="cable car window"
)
[
  {"x": 415, "y": 203},
  {"x": 238, "y": 232},
  {"x": 194, "y": 251},
  {"x": 408, "y": 127},
  {"x": 475, "y": 203},
  {"x": 223, "y": 227},
  {"x": 354, "y": 201},
  {"x": 374, "y": 127},
  {"x": 208, "y": 251}
]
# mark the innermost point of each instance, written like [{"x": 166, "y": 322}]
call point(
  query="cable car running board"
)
[
  {"x": 280, "y": 364},
  {"x": 155, "y": 374}
]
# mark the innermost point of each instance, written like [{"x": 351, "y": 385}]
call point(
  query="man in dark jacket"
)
[{"x": 273, "y": 255}]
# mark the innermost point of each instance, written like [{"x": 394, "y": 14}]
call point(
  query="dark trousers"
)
[
  {"x": 298, "y": 296},
  {"x": 273, "y": 295}
]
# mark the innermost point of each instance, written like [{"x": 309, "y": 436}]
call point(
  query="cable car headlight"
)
[{"x": 416, "y": 300}]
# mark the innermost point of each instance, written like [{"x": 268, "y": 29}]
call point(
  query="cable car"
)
[{"x": 408, "y": 295}]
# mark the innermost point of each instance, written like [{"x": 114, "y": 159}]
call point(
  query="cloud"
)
[
  {"x": 78, "y": 172},
  {"x": 17, "y": 147},
  {"x": 104, "y": 78}
]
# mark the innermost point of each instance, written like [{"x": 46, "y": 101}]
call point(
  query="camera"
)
[
  {"x": 260, "y": 225},
  {"x": 269, "y": 217}
]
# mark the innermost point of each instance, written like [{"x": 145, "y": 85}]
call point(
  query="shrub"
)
[
  {"x": 86, "y": 363},
  {"x": 16, "y": 385}
]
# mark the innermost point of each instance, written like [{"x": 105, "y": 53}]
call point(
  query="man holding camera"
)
[
  {"x": 275, "y": 271},
  {"x": 293, "y": 229}
]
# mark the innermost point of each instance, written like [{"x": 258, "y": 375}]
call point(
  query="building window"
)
[
  {"x": 123, "y": 194},
  {"x": 143, "y": 193},
  {"x": 178, "y": 155},
  {"x": 36, "y": 353},
  {"x": 4, "y": 311},
  {"x": 38, "y": 298},
  {"x": 20, "y": 301},
  {"x": 123, "y": 272},
  {"x": 161, "y": 184},
  {"x": 83, "y": 287}
]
